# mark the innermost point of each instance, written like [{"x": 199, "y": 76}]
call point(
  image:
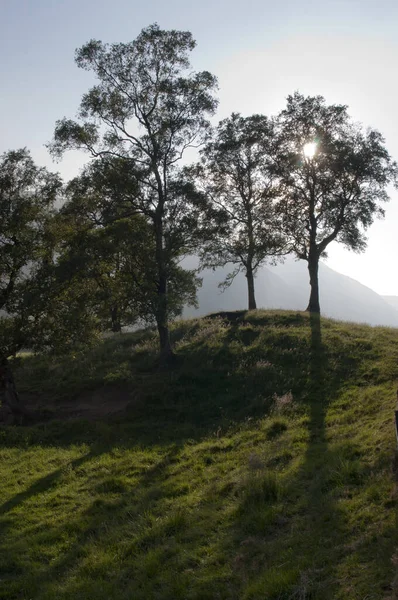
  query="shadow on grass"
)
[
  {"x": 323, "y": 526},
  {"x": 320, "y": 525},
  {"x": 322, "y": 534},
  {"x": 215, "y": 390},
  {"x": 102, "y": 524},
  {"x": 42, "y": 485}
]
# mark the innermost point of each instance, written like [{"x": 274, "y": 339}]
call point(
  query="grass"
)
[{"x": 259, "y": 467}]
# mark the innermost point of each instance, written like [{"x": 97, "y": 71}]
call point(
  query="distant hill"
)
[
  {"x": 392, "y": 301},
  {"x": 286, "y": 286}
]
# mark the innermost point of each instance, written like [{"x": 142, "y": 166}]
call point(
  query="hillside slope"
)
[
  {"x": 392, "y": 301},
  {"x": 259, "y": 467}
]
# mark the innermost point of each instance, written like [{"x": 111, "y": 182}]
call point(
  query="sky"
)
[{"x": 260, "y": 50}]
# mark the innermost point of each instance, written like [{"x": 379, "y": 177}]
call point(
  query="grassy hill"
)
[{"x": 261, "y": 466}]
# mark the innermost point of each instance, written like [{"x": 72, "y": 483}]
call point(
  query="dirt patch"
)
[{"x": 90, "y": 405}]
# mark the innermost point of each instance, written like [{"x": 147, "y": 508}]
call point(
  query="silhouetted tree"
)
[
  {"x": 237, "y": 177},
  {"x": 334, "y": 176},
  {"x": 108, "y": 249},
  {"x": 146, "y": 110},
  {"x": 27, "y": 195}
]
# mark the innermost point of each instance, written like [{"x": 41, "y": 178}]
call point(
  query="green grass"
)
[{"x": 259, "y": 467}]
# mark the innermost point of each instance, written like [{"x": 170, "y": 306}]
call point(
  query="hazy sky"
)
[{"x": 260, "y": 50}]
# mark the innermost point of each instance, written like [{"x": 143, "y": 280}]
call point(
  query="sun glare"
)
[{"x": 309, "y": 150}]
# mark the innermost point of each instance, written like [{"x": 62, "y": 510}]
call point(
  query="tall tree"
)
[
  {"x": 335, "y": 177},
  {"x": 27, "y": 195},
  {"x": 237, "y": 177},
  {"x": 146, "y": 110}
]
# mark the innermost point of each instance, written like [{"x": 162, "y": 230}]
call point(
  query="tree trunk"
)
[
  {"x": 313, "y": 304},
  {"x": 161, "y": 313},
  {"x": 115, "y": 321},
  {"x": 250, "y": 256},
  {"x": 11, "y": 405},
  {"x": 166, "y": 351},
  {"x": 250, "y": 288}
]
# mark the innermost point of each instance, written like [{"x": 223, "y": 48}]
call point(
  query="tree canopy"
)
[
  {"x": 335, "y": 178},
  {"x": 237, "y": 177},
  {"x": 27, "y": 197},
  {"x": 146, "y": 110}
]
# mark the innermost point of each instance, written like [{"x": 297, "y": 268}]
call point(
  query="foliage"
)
[
  {"x": 27, "y": 196},
  {"x": 50, "y": 311},
  {"x": 242, "y": 225},
  {"x": 146, "y": 110},
  {"x": 336, "y": 194},
  {"x": 111, "y": 246},
  {"x": 27, "y": 193}
]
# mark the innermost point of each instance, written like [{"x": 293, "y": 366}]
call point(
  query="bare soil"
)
[{"x": 91, "y": 405}]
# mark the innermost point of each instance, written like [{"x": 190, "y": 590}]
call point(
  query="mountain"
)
[
  {"x": 286, "y": 286},
  {"x": 392, "y": 301}
]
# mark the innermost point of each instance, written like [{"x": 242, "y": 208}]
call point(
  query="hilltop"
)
[
  {"x": 286, "y": 286},
  {"x": 260, "y": 466}
]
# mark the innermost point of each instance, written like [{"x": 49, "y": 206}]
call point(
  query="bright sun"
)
[{"x": 309, "y": 149}]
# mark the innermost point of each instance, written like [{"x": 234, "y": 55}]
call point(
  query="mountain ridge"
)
[{"x": 391, "y": 300}]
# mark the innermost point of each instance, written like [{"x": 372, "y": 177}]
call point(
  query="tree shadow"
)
[
  {"x": 322, "y": 531},
  {"x": 43, "y": 484},
  {"x": 320, "y": 521},
  {"x": 203, "y": 401},
  {"x": 93, "y": 526},
  {"x": 326, "y": 534},
  {"x": 318, "y": 387},
  {"x": 324, "y": 520}
]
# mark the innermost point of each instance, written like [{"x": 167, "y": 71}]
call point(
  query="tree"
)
[
  {"x": 146, "y": 110},
  {"x": 236, "y": 177},
  {"x": 108, "y": 249},
  {"x": 27, "y": 195},
  {"x": 334, "y": 177},
  {"x": 105, "y": 253}
]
